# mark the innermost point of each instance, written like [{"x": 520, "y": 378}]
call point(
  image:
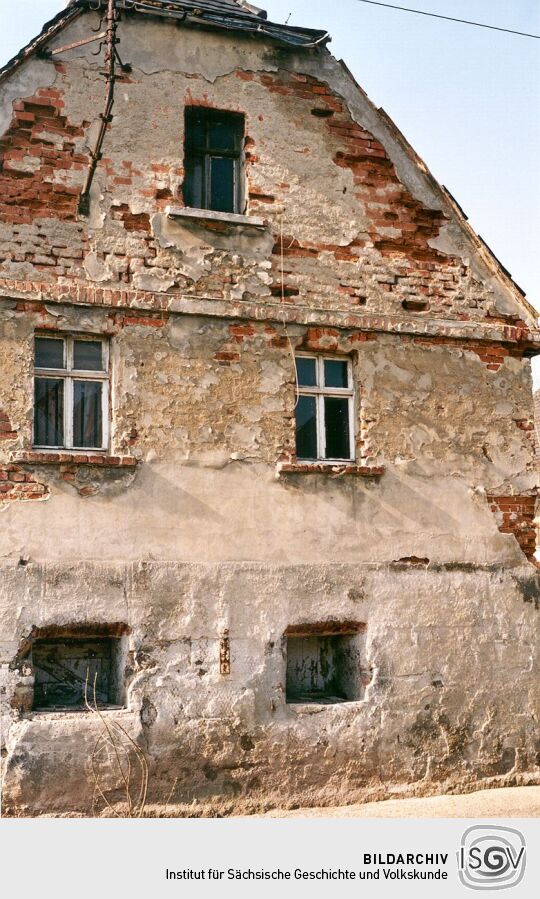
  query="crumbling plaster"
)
[
  {"x": 290, "y": 180},
  {"x": 222, "y": 740},
  {"x": 206, "y": 535}
]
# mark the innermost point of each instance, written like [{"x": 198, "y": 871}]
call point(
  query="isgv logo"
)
[{"x": 491, "y": 858}]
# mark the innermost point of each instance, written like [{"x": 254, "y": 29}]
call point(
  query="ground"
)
[{"x": 512, "y": 802}]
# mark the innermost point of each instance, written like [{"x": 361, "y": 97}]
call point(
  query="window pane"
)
[
  {"x": 193, "y": 183},
  {"x": 336, "y": 373},
  {"x": 87, "y": 424},
  {"x": 88, "y": 355},
  {"x": 306, "y": 371},
  {"x": 195, "y": 132},
  {"x": 222, "y": 134},
  {"x": 49, "y": 412},
  {"x": 221, "y": 184},
  {"x": 306, "y": 428},
  {"x": 49, "y": 352},
  {"x": 336, "y": 413}
]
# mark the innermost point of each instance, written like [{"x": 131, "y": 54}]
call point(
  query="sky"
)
[{"x": 467, "y": 99}]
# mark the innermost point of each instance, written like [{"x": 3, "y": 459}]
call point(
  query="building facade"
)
[{"x": 267, "y": 464}]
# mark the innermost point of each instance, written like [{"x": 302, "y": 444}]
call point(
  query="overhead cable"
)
[{"x": 433, "y": 15}]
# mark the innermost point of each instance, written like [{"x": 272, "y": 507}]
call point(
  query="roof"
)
[
  {"x": 236, "y": 15},
  {"x": 233, "y": 15},
  {"x": 218, "y": 7}
]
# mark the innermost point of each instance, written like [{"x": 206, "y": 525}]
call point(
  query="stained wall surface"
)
[{"x": 197, "y": 532}]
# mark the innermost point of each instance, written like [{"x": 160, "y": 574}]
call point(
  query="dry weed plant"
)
[{"x": 116, "y": 752}]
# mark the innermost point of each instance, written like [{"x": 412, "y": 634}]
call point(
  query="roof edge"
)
[
  {"x": 450, "y": 203},
  {"x": 248, "y": 22}
]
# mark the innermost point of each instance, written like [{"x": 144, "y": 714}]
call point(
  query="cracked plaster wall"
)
[
  {"x": 202, "y": 537},
  {"x": 387, "y": 234}
]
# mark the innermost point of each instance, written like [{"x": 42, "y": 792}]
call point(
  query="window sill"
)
[
  {"x": 331, "y": 469},
  {"x": 42, "y": 457},
  {"x": 209, "y": 215},
  {"x": 315, "y": 708},
  {"x": 77, "y": 713}
]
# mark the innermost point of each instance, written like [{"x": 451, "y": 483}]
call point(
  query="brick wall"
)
[
  {"x": 303, "y": 152},
  {"x": 515, "y": 515}
]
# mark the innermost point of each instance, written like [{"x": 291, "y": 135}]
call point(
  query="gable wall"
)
[
  {"x": 374, "y": 248},
  {"x": 189, "y": 534}
]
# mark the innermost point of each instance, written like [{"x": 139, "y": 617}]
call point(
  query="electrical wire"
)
[{"x": 433, "y": 15}]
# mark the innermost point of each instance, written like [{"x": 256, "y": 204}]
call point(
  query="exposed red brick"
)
[
  {"x": 132, "y": 221},
  {"x": 226, "y": 357},
  {"x": 332, "y": 470},
  {"x": 492, "y": 354},
  {"x": 37, "y": 457},
  {"x": 6, "y": 430},
  {"x": 239, "y": 332},
  {"x": 18, "y": 485},
  {"x": 515, "y": 515},
  {"x": 26, "y": 195}
]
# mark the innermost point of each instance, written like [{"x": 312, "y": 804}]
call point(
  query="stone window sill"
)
[
  {"x": 80, "y": 714},
  {"x": 315, "y": 708},
  {"x": 334, "y": 470},
  {"x": 41, "y": 457},
  {"x": 209, "y": 215}
]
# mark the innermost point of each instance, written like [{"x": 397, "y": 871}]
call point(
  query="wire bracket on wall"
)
[
  {"x": 111, "y": 59},
  {"x": 106, "y": 34}
]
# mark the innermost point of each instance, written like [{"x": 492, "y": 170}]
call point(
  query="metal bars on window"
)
[
  {"x": 325, "y": 409},
  {"x": 71, "y": 392}
]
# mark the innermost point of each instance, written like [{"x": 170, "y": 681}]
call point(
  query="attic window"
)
[
  {"x": 324, "y": 663},
  {"x": 213, "y": 160},
  {"x": 67, "y": 668}
]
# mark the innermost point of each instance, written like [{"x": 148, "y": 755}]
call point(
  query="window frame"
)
[
  {"x": 320, "y": 391},
  {"x": 69, "y": 375},
  {"x": 204, "y": 155}
]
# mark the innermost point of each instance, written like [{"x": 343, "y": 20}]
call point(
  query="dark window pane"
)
[
  {"x": 221, "y": 184},
  {"x": 306, "y": 428},
  {"x": 87, "y": 424},
  {"x": 193, "y": 183},
  {"x": 49, "y": 412},
  {"x": 222, "y": 134},
  {"x": 306, "y": 370},
  {"x": 49, "y": 352},
  {"x": 336, "y": 373},
  {"x": 336, "y": 414},
  {"x": 213, "y": 146},
  {"x": 88, "y": 355},
  {"x": 195, "y": 133}
]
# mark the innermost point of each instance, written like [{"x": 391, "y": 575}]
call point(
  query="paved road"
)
[{"x": 512, "y": 802}]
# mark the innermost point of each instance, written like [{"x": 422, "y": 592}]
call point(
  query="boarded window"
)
[
  {"x": 67, "y": 668},
  {"x": 324, "y": 667},
  {"x": 213, "y": 159}
]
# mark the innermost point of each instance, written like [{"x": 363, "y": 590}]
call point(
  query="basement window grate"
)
[{"x": 66, "y": 669}]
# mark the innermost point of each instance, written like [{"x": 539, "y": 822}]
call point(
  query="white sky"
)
[{"x": 467, "y": 99}]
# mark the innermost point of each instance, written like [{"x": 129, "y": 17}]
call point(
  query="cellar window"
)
[
  {"x": 69, "y": 668},
  {"x": 324, "y": 663}
]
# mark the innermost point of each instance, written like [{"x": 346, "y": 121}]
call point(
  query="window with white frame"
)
[
  {"x": 324, "y": 409},
  {"x": 71, "y": 392}
]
